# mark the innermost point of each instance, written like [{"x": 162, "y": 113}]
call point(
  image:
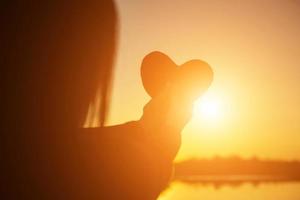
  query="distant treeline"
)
[{"x": 236, "y": 166}]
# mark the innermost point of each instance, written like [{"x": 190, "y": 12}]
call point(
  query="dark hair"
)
[{"x": 56, "y": 55}]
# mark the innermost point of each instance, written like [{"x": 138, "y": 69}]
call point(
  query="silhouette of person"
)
[{"x": 56, "y": 55}]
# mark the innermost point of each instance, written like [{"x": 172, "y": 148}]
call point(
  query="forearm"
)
[{"x": 128, "y": 160}]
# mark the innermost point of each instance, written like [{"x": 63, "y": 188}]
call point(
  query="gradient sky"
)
[{"x": 254, "y": 49}]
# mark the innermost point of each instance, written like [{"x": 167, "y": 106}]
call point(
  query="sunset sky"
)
[{"x": 254, "y": 49}]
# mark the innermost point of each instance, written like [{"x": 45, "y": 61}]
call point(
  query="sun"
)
[{"x": 207, "y": 108}]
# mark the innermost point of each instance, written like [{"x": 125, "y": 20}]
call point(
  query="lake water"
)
[{"x": 244, "y": 191}]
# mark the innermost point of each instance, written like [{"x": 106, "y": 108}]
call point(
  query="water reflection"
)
[
  {"x": 208, "y": 190},
  {"x": 246, "y": 191}
]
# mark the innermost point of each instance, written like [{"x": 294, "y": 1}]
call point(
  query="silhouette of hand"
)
[
  {"x": 164, "y": 118},
  {"x": 173, "y": 90}
]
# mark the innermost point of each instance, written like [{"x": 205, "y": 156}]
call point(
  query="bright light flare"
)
[{"x": 207, "y": 108}]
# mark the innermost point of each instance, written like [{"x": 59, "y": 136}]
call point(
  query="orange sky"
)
[{"x": 254, "y": 49}]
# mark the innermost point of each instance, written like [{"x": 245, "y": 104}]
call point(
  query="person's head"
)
[{"x": 56, "y": 55}]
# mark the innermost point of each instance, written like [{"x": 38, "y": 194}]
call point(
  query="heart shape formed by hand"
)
[{"x": 191, "y": 78}]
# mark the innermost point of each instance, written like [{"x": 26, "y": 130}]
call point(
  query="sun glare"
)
[{"x": 207, "y": 108}]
